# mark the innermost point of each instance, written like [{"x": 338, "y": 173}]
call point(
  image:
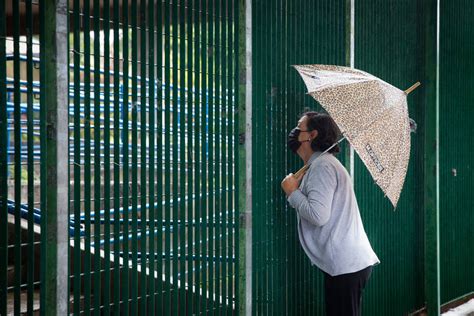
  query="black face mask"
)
[{"x": 293, "y": 142}]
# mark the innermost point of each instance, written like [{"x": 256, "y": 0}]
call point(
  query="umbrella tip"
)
[{"x": 413, "y": 87}]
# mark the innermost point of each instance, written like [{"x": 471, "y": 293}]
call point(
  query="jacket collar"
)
[{"x": 313, "y": 157}]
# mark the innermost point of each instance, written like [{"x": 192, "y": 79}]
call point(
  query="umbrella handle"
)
[
  {"x": 301, "y": 171},
  {"x": 413, "y": 87}
]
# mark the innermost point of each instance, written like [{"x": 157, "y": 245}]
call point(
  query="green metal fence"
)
[
  {"x": 456, "y": 163},
  {"x": 396, "y": 236},
  {"x": 285, "y": 33},
  {"x": 152, "y": 147},
  {"x": 158, "y": 200},
  {"x": 155, "y": 164},
  {"x": 19, "y": 161},
  {"x": 391, "y": 41}
]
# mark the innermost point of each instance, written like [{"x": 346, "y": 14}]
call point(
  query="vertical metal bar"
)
[
  {"x": 269, "y": 115},
  {"x": 233, "y": 218},
  {"x": 134, "y": 277},
  {"x": 30, "y": 159},
  {"x": 204, "y": 152},
  {"x": 151, "y": 152},
  {"x": 3, "y": 165},
  {"x": 116, "y": 146},
  {"x": 191, "y": 167},
  {"x": 350, "y": 62},
  {"x": 260, "y": 170},
  {"x": 198, "y": 110},
  {"x": 106, "y": 26},
  {"x": 175, "y": 158},
  {"x": 216, "y": 142},
  {"x": 87, "y": 160},
  {"x": 54, "y": 131},
  {"x": 17, "y": 157},
  {"x": 167, "y": 149},
  {"x": 97, "y": 161},
  {"x": 182, "y": 158},
  {"x": 226, "y": 220},
  {"x": 430, "y": 96},
  {"x": 221, "y": 220},
  {"x": 257, "y": 254},
  {"x": 125, "y": 160},
  {"x": 143, "y": 161},
  {"x": 240, "y": 37},
  {"x": 211, "y": 160},
  {"x": 247, "y": 17},
  {"x": 224, "y": 117},
  {"x": 221, "y": 205},
  {"x": 228, "y": 158},
  {"x": 42, "y": 15},
  {"x": 159, "y": 144},
  {"x": 77, "y": 157},
  {"x": 232, "y": 159}
]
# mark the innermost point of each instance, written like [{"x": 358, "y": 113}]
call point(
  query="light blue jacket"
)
[{"x": 330, "y": 228}]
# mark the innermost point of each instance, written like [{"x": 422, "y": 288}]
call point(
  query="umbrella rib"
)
[{"x": 338, "y": 85}]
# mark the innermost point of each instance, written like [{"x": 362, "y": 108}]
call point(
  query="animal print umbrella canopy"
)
[{"x": 371, "y": 114}]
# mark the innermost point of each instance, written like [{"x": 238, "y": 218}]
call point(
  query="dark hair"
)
[{"x": 328, "y": 132}]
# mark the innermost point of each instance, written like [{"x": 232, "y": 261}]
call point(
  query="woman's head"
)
[{"x": 327, "y": 132}]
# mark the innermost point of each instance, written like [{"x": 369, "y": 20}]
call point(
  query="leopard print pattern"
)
[{"x": 371, "y": 114}]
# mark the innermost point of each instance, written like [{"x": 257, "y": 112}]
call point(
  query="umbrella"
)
[{"x": 371, "y": 114}]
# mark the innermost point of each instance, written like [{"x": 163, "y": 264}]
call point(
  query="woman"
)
[{"x": 329, "y": 224}]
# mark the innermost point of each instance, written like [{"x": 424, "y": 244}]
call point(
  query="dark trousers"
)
[{"x": 343, "y": 293}]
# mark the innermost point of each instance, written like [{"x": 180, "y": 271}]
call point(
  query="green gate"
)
[
  {"x": 122, "y": 162},
  {"x": 152, "y": 143}
]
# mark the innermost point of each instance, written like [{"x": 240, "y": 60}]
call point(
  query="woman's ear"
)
[{"x": 314, "y": 134}]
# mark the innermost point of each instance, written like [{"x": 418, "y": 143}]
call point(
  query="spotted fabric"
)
[{"x": 371, "y": 114}]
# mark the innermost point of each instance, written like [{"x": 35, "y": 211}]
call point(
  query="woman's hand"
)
[{"x": 291, "y": 184}]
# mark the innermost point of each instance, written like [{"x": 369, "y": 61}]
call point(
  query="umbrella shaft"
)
[
  {"x": 334, "y": 145},
  {"x": 305, "y": 167}
]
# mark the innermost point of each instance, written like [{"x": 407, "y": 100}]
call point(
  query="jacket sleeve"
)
[{"x": 316, "y": 206}]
